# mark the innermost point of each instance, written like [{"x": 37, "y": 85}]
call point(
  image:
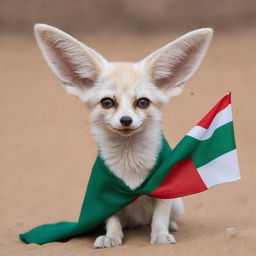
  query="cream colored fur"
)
[{"x": 129, "y": 152}]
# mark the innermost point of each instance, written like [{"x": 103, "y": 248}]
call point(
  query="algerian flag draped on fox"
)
[{"x": 205, "y": 157}]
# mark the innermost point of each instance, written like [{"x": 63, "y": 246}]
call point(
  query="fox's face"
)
[
  {"x": 123, "y": 97},
  {"x": 124, "y": 100}
]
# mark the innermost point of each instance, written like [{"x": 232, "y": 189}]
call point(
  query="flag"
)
[
  {"x": 213, "y": 155},
  {"x": 204, "y": 158}
]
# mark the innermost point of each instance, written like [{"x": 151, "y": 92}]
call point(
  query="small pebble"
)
[{"x": 231, "y": 231}]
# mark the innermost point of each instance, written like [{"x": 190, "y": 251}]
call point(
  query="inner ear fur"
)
[
  {"x": 172, "y": 65},
  {"x": 73, "y": 62}
]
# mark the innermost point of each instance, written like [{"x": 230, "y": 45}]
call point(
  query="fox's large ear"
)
[
  {"x": 77, "y": 65},
  {"x": 170, "y": 66}
]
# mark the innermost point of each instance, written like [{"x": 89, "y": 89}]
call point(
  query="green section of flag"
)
[
  {"x": 105, "y": 195},
  {"x": 221, "y": 142}
]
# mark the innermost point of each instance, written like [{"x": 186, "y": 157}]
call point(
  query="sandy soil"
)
[{"x": 46, "y": 149}]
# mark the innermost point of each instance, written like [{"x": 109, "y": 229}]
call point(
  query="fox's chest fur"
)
[{"x": 130, "y": 158}]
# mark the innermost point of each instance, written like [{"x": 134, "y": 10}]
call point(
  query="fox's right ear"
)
[{"x": 77, "y": 65}]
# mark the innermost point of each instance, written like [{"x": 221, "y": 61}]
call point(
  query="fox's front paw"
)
[
  {"x": 107, "y": 241},
  {"x": 162, "y": 239}
]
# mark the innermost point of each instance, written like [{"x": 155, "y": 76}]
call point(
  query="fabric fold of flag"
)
[{"x": 205, "y": 157}]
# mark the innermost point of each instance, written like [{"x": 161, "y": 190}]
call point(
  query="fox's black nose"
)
[{"x": 126, "y": 121}]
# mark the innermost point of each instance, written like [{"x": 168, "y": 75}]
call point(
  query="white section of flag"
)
[
  {"x": 223, "y": 169},
  {"x": 223, "y": 117}
]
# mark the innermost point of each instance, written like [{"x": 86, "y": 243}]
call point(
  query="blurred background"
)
[
  {"x": 46, "y": 149},
  {"x": 140, "y": 16}
]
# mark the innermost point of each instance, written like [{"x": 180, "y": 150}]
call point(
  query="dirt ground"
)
[{"x": 46, "y": 148}]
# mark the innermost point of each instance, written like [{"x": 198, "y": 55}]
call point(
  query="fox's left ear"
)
[{"x": 172, "y": 65}]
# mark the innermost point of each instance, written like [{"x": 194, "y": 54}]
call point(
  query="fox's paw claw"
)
[
  {"x": 163, "y": 239},
  {"x": 107, "y": 242}
]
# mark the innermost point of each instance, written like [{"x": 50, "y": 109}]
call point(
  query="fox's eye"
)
[
  {"x": 142, "y": 103},
  {"x": 107, "y": 103}
]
